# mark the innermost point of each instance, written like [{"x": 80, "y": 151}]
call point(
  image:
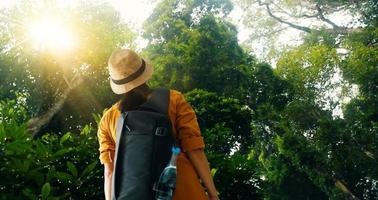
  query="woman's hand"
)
[
  {"x": 201, "y": 165},
  {"x": 213, "y": 197},
  {"x": 212, "y": 194}
]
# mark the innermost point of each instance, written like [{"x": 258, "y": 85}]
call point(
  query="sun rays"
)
[
  {"x": 47, "y": 33},
  {"x": 50, "y": 33}
]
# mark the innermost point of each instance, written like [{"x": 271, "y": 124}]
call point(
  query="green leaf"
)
[
  {"x": 41, "y": 148},
  {"x": 63, "y": 176},
  {"x": 53, "y": 198},
  {"x": 2, "y": 133},
  {"x": 96, "y": 117},
  {"x": 89, "y": 168},
  {"x": 61, "y": 152},
  {"x": 26, "y": 166},
  {"x": 86, "y": 130},
  {"x": 17, "y": 164},
  {"x": 50, "y": 175},
  {"x": 213, "y": 171},
  {"x": 72, "y": 168},
  {"x": 37, "y": 176},
  {"x": 28, "y": 193},
  {"x": 46, "y": 190},
  {"x": 64, "y": 138}
]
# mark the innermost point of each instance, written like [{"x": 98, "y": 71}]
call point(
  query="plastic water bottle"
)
[{"x": 167, "y": 180}]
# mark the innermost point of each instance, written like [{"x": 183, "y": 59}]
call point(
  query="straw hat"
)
[{"x": 127, "y": 71}]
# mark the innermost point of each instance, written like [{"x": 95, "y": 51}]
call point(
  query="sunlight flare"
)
[{"x": 52, "y": 34}]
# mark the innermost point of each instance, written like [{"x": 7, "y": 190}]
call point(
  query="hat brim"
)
[{"x": 144, "y": 77}]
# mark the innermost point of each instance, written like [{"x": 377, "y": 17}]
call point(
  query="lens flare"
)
[{"x": 50, "y": 34}]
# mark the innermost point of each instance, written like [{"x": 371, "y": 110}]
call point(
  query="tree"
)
[
  {"x": 195, "y": 49},
  {"x": 62, "y": 82},
  {"x": 329, "y": 149},
  {"x": 327, "y": 128},
  {"x": 274, "y": 23},
  {"x": 225, "y": 127}
]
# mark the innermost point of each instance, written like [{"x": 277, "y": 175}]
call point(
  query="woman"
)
[{"x": 128, "y": 76}]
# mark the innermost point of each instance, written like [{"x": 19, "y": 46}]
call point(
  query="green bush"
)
[
  {"x": 14, "y": 110},
  {"x": 50, "y": 167}
]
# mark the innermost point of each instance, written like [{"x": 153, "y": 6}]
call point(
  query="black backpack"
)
[{"x": 143, "y": 148}]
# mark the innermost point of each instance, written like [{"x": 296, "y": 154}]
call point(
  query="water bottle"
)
[{"x": 166, "y": 185}]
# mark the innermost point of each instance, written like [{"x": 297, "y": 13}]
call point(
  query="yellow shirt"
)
[{"x": 184, "y": 128}]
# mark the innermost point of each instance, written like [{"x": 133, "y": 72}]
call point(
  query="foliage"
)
[
  {"x": 14, "y": 110},
  {"x": 47, "y": 74},
  {"x": 219, "y": 112},
  {"x": 51, "y": 167},
  {"x": 319, "y": 133},
  {"x": 225, "y": 128},
  {"x": 196, "y": 46},
  {"x": 278, "y": 25}
]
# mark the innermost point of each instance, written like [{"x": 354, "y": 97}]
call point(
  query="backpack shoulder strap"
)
[{"x": 119, "y": 127}]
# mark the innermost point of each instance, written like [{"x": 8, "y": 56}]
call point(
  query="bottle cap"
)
[{"x": 175, "y": 150}]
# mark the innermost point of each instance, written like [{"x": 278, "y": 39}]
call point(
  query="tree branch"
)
[
  {"x": 296, "y": 16},
  {"x": 335, "y": 30},
  {"x": 36, "y": 124},
  {"x": 321, "y": 16},
  {"x": 302, "y": 28},
  {"x": 341, "y": 186}
]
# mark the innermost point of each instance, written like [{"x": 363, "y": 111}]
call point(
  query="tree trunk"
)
[
  {"x": 345, "y": 190},
  {"x": 36, "y": 124}
]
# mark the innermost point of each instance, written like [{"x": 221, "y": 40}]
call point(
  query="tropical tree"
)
[
  {"x": 273, "y": 23},
  {"x": 64, "y": 70},
  {"x": 194, "y": 48}
]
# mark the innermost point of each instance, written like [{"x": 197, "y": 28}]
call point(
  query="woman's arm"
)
[
  {"x": 108, "y": 180},
  {"x": 107, "y": 146},
  {"x": 200, "y": 163},
  {"x": 191, "y": 142}
]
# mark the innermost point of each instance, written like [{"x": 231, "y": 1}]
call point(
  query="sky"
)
[{"x": 135, "y": 13}]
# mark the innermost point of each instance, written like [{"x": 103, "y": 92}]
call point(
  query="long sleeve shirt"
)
[{"x": 185, "y": 129}]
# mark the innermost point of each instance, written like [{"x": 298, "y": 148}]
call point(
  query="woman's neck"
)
[
  {"x": 144, "y": 90},
  {"x": 135, "y": 97}
]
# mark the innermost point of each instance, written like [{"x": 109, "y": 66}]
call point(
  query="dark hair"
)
[{"x": 135, "y": 97}]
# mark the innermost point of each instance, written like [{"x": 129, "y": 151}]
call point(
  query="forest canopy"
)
[{"x": 281, "y": 120}]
